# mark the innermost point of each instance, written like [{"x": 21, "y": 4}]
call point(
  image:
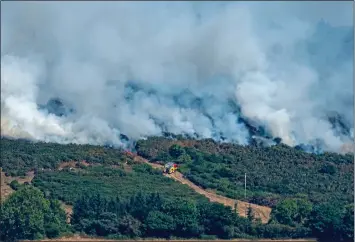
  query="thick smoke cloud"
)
[{"x": 209, "y": 70}]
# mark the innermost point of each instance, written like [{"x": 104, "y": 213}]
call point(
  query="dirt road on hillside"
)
[{"x": 261, "y": 212}]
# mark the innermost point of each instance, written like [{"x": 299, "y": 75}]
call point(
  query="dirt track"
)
[{"x": 261, "y": 212}]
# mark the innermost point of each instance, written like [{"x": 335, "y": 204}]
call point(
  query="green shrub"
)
[{"x": 15, "y": 185}]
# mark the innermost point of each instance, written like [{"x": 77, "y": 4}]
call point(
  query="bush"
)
[{"x": 15, "y": 185}]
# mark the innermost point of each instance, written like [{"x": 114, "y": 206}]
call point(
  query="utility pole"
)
[
  {"x": 245, "y": 186},
  {"x": 245, "y": 192},
  {"x": 235, "y": 201}
]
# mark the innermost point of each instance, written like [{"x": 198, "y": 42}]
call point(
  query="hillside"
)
[
  {"x": 109, "y": 189},
  {"x": 69, "y": 186},
  {"x": 20, "y": 156},
  {"x": 273, "y": 172},
  {"x": 123, "y": 179}
]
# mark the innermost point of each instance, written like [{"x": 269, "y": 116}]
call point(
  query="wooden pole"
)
[{"x": 245, "y": 186}]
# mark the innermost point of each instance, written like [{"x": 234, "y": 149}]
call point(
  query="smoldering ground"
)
[{"x": 87, "y": 72}]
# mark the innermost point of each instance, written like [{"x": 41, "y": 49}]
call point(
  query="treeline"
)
[
  {"x": 20, "y": 156},
  {"x": 153, "y": 215},
  {"x": 273, "y": 173},
  {"x": 326, "y": 221},
  {"x": 29, "y": 214}
]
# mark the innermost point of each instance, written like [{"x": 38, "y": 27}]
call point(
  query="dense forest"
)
[{"x": 115, "y": 197}]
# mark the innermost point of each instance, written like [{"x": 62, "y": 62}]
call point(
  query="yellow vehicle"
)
[{"x": 170, "y": 167}]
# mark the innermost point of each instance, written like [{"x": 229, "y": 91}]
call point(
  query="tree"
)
[
  {"x": 106, "y": 224},
  {"x": 216, "y": 219},
  {"x": 285, "y": 212},
  {"x": 325, "y": 221},
  {"x": 130, "y": 226},
  {"x": 304, "y": 208},
  {"x": 55, "y": 220},
  {"x": 328, "y": 168},
  {"x": 159, "y": 224},
  {"x": 184, "y": 214},
  {"x": 176, "y": 150},
  {"x": 15, "y": 185},
  {"x": 292, "y": 211},
  {"x": 26, "y": 214},
  {"x": 250, "y": 214},
  {"x": 163, "y": 156},
  {"x": 184, "y": 158},
  {"x": 347, "y": 228}
]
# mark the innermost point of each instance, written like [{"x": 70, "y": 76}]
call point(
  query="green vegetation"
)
[
  {"x": 20, "y": 156},
  {"x": 330, "y": 222},
  {"x": 273, "y": 173},
  {"x": 68, "y": 186},
  {"x": 154, "y": 215},
  {"x": 311, "y": 195},
  {"x": 26, "y": 214},
  {"x": 292, "y": 212},
  {"x": 15, "y": 185}
]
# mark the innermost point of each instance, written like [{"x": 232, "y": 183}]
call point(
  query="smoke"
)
[{"x": 89, "y": 72}]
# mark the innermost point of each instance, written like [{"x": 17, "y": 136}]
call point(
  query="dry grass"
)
[{"x": 6, "y": 190}]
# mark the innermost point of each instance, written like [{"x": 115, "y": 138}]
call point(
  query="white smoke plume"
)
[{"x": 145, "y": 68}]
